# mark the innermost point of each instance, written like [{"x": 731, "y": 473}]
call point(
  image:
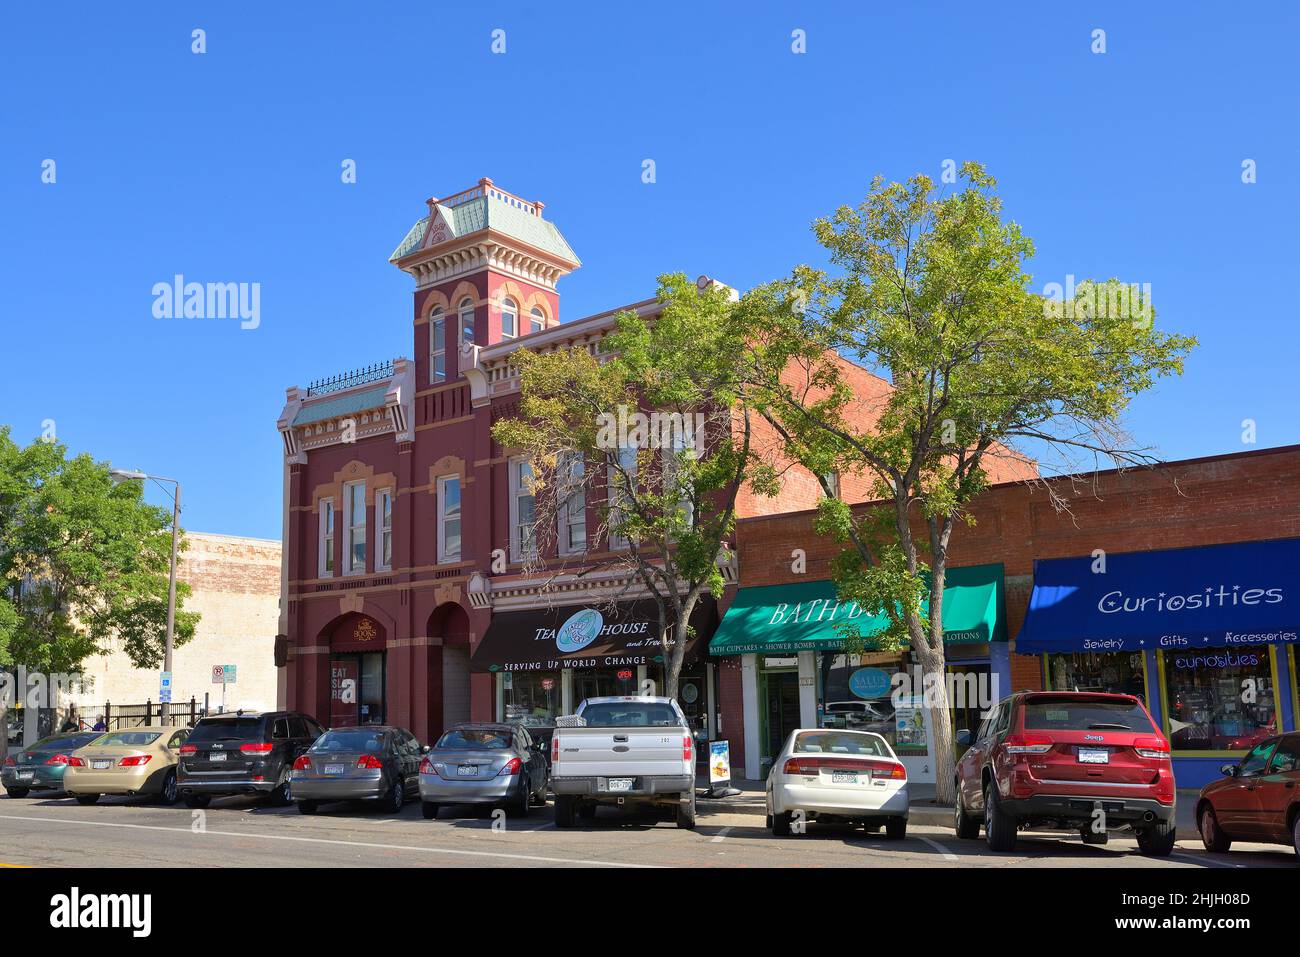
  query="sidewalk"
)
[{"x": 923, "y": 809}]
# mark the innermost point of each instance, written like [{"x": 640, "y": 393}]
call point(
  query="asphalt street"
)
[{"x": 238, "y": 832}]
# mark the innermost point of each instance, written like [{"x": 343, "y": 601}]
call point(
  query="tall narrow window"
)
[
  {"x": 384, "y": 528},
  {"x": 325, "y": 562},
  {"x": 466, "y": 320},
  {"x": 354, "y": 501},
  {"x": 833, "y": 482},
  {"x": 523, "y": 511},
  {"x": 437, "y": 346},
  {"x": 536, "y": 320},
  {"x": 620, "y": 483},
  {"x": 509, "y": 319},
  {"x": 449, "y": 518},
  {"x": 676, "y": 454},
  {"x": 573, "y": 503}
]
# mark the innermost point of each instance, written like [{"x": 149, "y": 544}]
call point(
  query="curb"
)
[{"x": 931, "y": 815}]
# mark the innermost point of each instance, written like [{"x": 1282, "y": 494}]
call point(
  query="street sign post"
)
[{"x": 223, "y": 675}]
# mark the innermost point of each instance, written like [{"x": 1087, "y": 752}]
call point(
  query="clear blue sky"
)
[{"x": 225, "y": 167}]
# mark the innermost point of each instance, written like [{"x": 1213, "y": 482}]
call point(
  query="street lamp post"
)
[{"x": 122, "y": 475}]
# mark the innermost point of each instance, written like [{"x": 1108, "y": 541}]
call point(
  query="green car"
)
[{"x": 41, "y": 767}]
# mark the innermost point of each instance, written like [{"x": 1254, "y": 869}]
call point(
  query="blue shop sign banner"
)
[{"x": 1185, "y": 598}]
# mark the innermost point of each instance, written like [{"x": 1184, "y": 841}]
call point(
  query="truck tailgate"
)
[{"x": 603, "y": 752}]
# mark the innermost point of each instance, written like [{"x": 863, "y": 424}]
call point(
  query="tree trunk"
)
[{"x": 937, "y": 709}]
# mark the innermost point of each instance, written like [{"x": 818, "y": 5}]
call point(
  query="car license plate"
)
[
  {"x": 25, "y": 775},
  {"x": 217, "y": 757},
  {"x": 844, "y": 777},
  {"x": 467, "y": 770},
  {"x": 1094, "y": 756},
  {"x": 101, "y": 764},
  {"x": 335, "y": 768},
  {"x": 619, "y": 784}
]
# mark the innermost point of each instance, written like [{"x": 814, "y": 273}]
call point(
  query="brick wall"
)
[
  {"x": 236, "y": 590},
  {"x": 1246, "y": 496}
]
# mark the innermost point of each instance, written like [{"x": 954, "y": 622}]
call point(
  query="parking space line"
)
[
  {"x": 1204, "y": 860},
  {"x": 721, "y": 836},
  {"x": 947, "y": 854},
  {"x": 319, "y": 840}
]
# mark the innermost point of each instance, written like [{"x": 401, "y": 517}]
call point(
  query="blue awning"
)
[{"x": 1217, "y": 596}]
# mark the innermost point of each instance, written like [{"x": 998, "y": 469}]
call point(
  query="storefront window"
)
[
  {"x": 1219, "y": 699},
  {"x": 532, "y": 698},
  {"x": 854, "y": 692},
  {"x": 1119, "y": 671}
]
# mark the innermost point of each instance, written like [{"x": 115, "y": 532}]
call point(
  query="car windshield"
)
[
  {"x": 475, "y": 739},
  {"x": 630, "y": 714},
  {"x": 841, "y": 742},
  {"x": 127, "y": 739},
  {"x": 226, "y": 729},
  {"x": 1081, "y": 715},
  {"x": 349, "y": 741}
]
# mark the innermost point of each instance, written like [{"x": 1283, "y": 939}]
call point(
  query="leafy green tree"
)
[
  {"x": 664, "y": 489},
  {"x": 82, "y": 562},
  {"x": 930, "y": 291}
]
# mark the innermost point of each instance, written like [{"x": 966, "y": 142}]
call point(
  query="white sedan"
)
[{"x": 837, "y": 775}]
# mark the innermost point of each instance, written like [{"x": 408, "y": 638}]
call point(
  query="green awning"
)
[{"x": 802, "y": 616}]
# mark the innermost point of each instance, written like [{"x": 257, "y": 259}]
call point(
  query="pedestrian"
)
[
  {"x": 99, "y": 724},
  {"x": 71, "y": 722}
]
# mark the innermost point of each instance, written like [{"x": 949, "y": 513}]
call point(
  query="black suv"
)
[{"x": 243, "y": 753}]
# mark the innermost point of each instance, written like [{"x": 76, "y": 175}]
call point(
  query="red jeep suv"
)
[{"x": 1066, "y": 760}]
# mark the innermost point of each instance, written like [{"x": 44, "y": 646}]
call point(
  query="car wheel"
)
[
  {"x": 781, "y": 824},
  {"x": 564, "y": 810},
  {"x": 587, "y": 812},
  {"x": 539, "y": 799},
  {"x": 282, "y": 796},
  {"x": 396, "y": 797},
  {"x": 519, "y": 805},
  {"x": 896, "y": 828},
  {"x": 428, "y": 810},
  {"x": 1093, "y": 837},
  {"x": 686, "y": 814},
  {"x": 168, "y": 793},
  {"x": 307, "y": 807},
  {"x": 1295, "y": 834},
  {"x": 1212, "y": 835},
  {"x": 198, "y": 801},
  {"x": 999, "y": 826},
  {"x": 18, "y": 792},
  {"x": 87, "y": 798},
  {"x": 967, "y": 827},
  {"x": 1157, "y": 841}
]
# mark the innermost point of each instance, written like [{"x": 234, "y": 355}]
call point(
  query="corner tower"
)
[{"x": 485, "y": 265}]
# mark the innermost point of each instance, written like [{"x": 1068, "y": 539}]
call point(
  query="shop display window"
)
[
  {"x": 854, "y": 693},
  {"x": 1219, "y": 699},
  {"x": 1117, "y": 672},
  {"x": 532, "y": 698}
]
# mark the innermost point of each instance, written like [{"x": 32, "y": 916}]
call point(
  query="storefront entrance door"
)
[{"x": 782, "y": 709}]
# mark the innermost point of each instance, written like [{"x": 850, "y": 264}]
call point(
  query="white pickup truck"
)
[{"x": 623, "y": 751}]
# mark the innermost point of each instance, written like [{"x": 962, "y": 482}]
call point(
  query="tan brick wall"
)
[{"x": 236, "y": 590}]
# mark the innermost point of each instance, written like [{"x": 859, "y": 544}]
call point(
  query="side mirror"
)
[
  {"x": 963, "y": 737},
  {"x": 1229, "y": 769},
  {"x": 426, "y": 749}
]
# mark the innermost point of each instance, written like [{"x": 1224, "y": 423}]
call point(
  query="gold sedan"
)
[{"x": 132, "y": 761}]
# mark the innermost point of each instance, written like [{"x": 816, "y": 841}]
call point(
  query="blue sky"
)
[{"x": 225, "y": 167}]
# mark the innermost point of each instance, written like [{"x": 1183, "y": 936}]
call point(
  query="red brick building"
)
[
  {"x": 1195, "y": 507},
  {"x": 397, "y": 502}
]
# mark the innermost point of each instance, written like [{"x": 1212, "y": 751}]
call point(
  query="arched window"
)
[
  {"x": 467, "y": 320},
  {"x": 536, "y": 320},
  {"x": 509, "y": 319},
  {"x": 437, "y": 346}
]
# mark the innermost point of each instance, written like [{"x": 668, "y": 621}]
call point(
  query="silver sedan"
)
[{"x": 493, "y": 764}]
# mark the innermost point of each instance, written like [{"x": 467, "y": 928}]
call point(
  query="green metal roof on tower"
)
[{"x": 485, "y": 206}]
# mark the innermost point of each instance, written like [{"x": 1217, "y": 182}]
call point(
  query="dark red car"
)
[
  {"x": 1257, "y": 800},
  {"x": 1064, "y": 760}
]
